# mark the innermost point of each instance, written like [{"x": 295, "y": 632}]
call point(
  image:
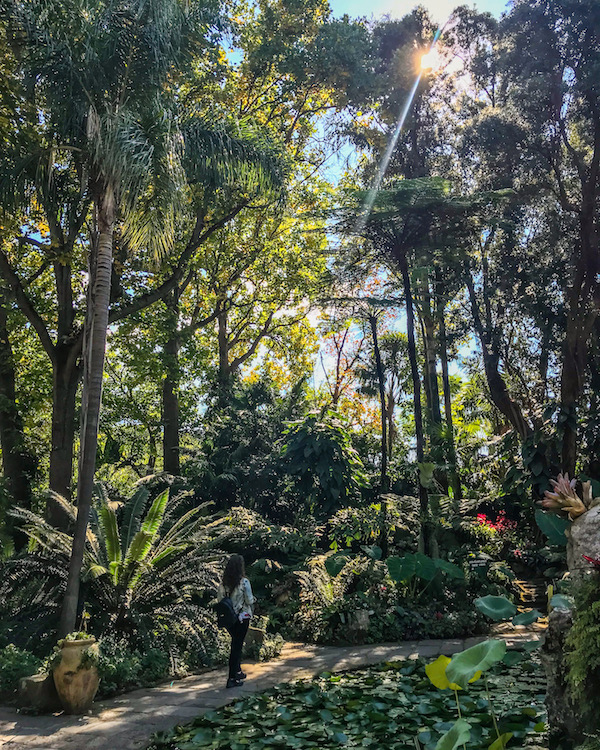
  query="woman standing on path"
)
[{"x": 237, "y": 587}]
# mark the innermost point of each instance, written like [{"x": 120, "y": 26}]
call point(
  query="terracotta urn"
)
[{"x": 76, "y": 681}]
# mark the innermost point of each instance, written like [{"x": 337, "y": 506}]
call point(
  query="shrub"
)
[
  {"x": 122, "y": 668},
  {"x": 16, "y": 663},
  {"x": 270, "y": 648}
]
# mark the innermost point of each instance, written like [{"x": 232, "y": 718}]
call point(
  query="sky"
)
[{"x": 439, "y": 9}]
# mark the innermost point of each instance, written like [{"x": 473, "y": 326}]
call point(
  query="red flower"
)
[{"x": 592, "y": 560}]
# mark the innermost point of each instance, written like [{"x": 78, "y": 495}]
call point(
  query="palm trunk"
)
[
  {"x": 92, "y": 397},
  {"x": 414, "y": 369}
]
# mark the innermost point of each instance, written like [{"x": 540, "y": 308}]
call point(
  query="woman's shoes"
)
[
  {"x": 240, "y": 675},
  {"x": 233, "y": 682}
]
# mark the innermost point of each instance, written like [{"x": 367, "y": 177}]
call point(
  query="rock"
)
[
  {"x": 39, "y": 693},
  {"x": 583, "y": 539},
  {"x": 563, "y": 717},
  {"x": 255, "y": 635}
]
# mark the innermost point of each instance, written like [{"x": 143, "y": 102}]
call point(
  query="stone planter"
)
[{"x": 76, "y": 682}]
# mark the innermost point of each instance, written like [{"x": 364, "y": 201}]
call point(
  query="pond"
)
[{"x": 391, "y": 705}]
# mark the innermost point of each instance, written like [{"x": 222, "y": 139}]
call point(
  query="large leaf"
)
[
  {"x": 132, "y": 516},
  {"x": 496, "y": 607},
  {"x": 436, "y": 671},
  {"x": 450, "y": 569},
  {"x": 527, "y": 618},
  {"x": 455, "y": 737},
  {"x": 501, "y": 742},
  {"x": 142, "y": 541},
  {"x": 112, "y": 541},
  {"x": 334, "y": 564},
  {"x": 559, "y": 601},
  {"x": 401, "y": 569},
  {"x": 553, "y": 526},
  {"x": 479, "y": 658}
]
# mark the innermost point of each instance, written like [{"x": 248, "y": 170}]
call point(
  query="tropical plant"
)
[
  {"x": 319, "y": 456},
  {"x": 149, "y": 570},
  {"x": 565, "y": 498}
]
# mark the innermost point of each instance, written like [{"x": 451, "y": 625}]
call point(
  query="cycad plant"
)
[{"x": 149, "y": 568}]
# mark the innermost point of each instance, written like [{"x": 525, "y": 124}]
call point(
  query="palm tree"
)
[{"x": 103, "y": 72}]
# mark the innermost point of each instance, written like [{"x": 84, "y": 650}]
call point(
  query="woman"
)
[{"x": 237, "y": 587}]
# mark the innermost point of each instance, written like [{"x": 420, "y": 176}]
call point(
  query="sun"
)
[{"x": 431, "y": 60}]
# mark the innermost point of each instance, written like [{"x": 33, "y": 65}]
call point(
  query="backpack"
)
[{"x": 226, "y": 616}]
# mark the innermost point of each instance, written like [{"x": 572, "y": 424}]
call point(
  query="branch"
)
[
  {"x": 238, "y": 361},
  {"x": 26, "y": 305},
  {"x": 197, "y": 238}
]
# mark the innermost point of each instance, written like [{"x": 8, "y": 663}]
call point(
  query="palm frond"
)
[{"x": 132, "y": 516}]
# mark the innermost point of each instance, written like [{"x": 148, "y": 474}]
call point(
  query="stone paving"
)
[{"x": 127, "y": 721}]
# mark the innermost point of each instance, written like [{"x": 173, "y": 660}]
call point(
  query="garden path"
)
[{"x": 127, "y": 721}]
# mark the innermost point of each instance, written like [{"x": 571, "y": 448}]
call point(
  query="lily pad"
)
[
  {"x": 527, "y": 618},
  {"x": 455, "y": 737},
  {"x": 496, "y": 607},
  {"x": 464, "y": 666}
]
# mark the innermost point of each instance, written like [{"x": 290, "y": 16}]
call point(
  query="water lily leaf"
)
[
  {"x": 455, "y": 737},
  {"x": 527, "y": 618},
  {"x": 496, "y": 607},
  {"x": 559, "y": 601},
  {"x": 464, "y": 666},
  {"x": 513, "y": 657},
  {"x": 436, "y": 671},
  {"x": 501, "y": 742},
  {"x": 553, "y": 526}
]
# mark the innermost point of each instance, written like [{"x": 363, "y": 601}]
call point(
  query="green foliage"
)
[
  {"x": 391, "y": 705},
  {"x": 149, "y": 571},
  {"x": 122, "y": 668},
  {"x": 418, "y": 571},
  {"x": 16, "y": 663},
  {"x": 496, "y": 607},
  {"x": 465, "y": 665},
  {"x": 319, "y": 456},
  {"x": 270, "y": 648},
  {"x": 351, "y": 527},
  {"x": 583, "y": 652},
  {"x": 553, "y": 526}
]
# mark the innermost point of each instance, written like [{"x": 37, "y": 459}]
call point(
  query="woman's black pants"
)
[{"x": 238, "y": 634}]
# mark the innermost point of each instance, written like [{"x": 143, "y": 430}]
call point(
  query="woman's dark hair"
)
[{"x": 235, "y": 570}]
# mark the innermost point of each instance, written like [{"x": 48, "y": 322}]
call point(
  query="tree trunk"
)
[
  {"x": 92, "y": 398},
  {"x": 454, "y": 475},
  {"x": 224, "y": 375},
  {"x": 431, "y": 381},
  {"x": 491, "y": 362},
  {"x": 65, "y": 381},
  {"x": 381, "y": 385},
  {"x": 414, "y": 369},
  {"x": 170, "y": 401},
  {"x": 18, "y": 465}
]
